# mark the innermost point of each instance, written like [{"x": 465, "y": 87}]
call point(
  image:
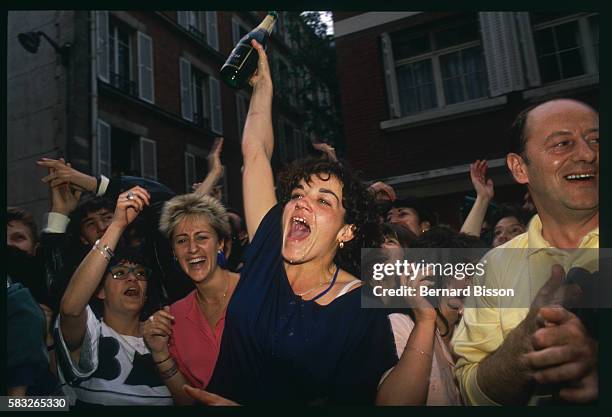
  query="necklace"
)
[
  {"x": 222, "y": 298},
  {"x": 317, "y": 286}
]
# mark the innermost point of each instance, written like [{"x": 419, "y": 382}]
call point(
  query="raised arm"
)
[
  {"x": 90, "y": 272},
  {"x": 215, "y": 169},
  {"x": 484, "y": 195},
  {"x": 257, "y": 147}
]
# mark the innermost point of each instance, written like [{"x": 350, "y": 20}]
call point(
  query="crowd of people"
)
[{"x": 133, "y": 295}]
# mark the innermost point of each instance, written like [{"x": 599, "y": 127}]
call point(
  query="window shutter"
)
[
  {"x": 216, "y": 118},
  {"x": 235, "y": 31},
  {"x": 190, "y": 171},
  {"x": 146, "y": 84},
  {"x": 241, "y": 113},
  {"x": 182, "y": 16},
  {"x": 148, "y": 158},
  {"x": 390, "y": 78},
  {"x": 212, "y": 34},
  {"x": 102, "y": 52},
  {"x": 532, "y": 72},
  {"x": 502, "y": 53},
  {"x": 104, "y": 148},
  {"x": 186, "y": 99}
]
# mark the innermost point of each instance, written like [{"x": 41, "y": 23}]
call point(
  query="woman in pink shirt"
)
[{"x": 184, "y": 338}]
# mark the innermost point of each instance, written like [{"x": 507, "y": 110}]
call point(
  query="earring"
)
[
  {"x": 341, "y": 245},
  {"x": 221, "y": 259}
]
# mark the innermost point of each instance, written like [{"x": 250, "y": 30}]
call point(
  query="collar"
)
[{"x": 536, "y": 241}]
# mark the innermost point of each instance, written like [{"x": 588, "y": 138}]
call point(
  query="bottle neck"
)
[{"x": 268, "y": 23}]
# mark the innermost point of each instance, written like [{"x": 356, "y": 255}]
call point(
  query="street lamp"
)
[{"x": 31, "y": 42}]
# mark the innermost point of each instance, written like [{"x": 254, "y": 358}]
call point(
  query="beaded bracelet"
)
[
  {"x": 106, "y": 250},
  {"x": 97, "y": 249}
]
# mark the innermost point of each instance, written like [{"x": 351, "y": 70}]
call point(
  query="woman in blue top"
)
[{"x": 295, "y": 331}]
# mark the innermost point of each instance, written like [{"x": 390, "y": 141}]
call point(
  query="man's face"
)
[
  {"x": 20, "y": 236},
  {"x": 562, "y": 150},
  {"x": 94, "y": 224}
]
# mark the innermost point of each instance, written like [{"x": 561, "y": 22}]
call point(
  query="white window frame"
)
[
  {"x": 212, "y": 29},
  {"x": 100, "y": 142},
  {"x": 102, "y": 49},
  {"x": 142, "y": 162},
  {"x": 186, "y": 87},
  {"x": 143, "y": 67}
]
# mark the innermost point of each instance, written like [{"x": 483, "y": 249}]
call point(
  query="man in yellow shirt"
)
[{"x": 509, "y": 349}]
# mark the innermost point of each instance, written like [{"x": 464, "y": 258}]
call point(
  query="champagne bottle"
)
[{"x": 242, "y": 61}]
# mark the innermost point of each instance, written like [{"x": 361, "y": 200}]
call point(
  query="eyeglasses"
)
[{"x": 120, "y": 272}]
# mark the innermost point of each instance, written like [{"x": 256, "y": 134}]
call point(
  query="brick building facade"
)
[{"x": 426, "y": 93}]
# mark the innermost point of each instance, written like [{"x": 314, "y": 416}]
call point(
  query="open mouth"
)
[
  {"x": 299, "y": 229},
  {"x": 583, "y": 177},
  {"x": 196, "y": 261},
  {"x": 132, "y": 292}
]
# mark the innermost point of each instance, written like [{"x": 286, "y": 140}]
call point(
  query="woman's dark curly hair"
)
[{"x": 356, "y": 200}]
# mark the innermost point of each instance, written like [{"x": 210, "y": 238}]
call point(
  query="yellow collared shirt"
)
[{"x": 522, "y": 264}]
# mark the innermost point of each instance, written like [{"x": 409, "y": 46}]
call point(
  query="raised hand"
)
[
  {"x": 214, "y": 156},
  {"x": 423, "y": 310},
  {"x": 207, "y": 398},
  {"x": 327, "y": 149},
  {"x": 64, "y": 199},
  {"x": 157, "y": 330},
  {"x": 62, "y": 173},
  {"x": 261, "y": 79},
  {"x": 478, "y": 175},
  {"x": 129, "y": 205},
  {"x": 383, "y": 191}
]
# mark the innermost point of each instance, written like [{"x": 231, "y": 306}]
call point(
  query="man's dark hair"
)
[
  {"x": 88, "y": 204},
  {"x": 356, "y": 200},
  {"x": 25, "y": 217},
  {"x": 399, "y": 232},
  {"x": 518, "y": 138}
]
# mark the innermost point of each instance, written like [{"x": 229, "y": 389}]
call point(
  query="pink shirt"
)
[{"x": 193, "y": 343}]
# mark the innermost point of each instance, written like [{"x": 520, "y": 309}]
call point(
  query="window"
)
[
  {"x": 290, "y": 144},
  {"x": 437, "y": 67},
  {"x": 190, "y": 172},
  {"x": 567, "y": 46},
  {"x": 120, "y": 152},
  {"x": 238, "y": 30},
  {"x": 120, "y": 58},
  {"x": 104, "y": 148},
  {"x": 202, "y": 25},
  {"x": 200, "y": 97},
  {"x": 115, "y": 55},
  {"x": 285, "y": 80}
]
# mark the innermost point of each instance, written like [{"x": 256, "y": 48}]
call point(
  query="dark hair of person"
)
[
  {"x": 139, "y": 256},
  {"x": 399, "y": 232},
  {"x": 357, "y": 200},
  {"x": 508, "y": 210},
  {"x": 20, "y": 215},
  {"x": 518, "y": 130},
  {"x": 446, "y": 237},
  {"x": 425, "y": 213},
  {"x": 88, "y": 204}
]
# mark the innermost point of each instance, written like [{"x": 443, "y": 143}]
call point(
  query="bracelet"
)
[
  {"x": 422, "y": 352},
  {"x": 169, "y": 373},
  {"x": 106, "y": 250},
  {"x": 96, "y": 248},
  {"x": 160, "y": 362}
]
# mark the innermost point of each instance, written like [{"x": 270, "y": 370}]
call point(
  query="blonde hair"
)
[{"x": 187, "y": 205}]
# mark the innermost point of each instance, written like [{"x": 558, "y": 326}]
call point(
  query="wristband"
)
[
  {"x": 98, "y": 179},
  {"x": 160, "y": 362},
  {"x": 167, "y": 374}
]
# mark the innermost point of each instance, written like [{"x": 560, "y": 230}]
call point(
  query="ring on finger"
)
[
  {"x": 152, "y": 318},
  {"x": 130, "y": 195}
]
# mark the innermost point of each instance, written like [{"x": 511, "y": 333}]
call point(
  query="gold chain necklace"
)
[
  {"x": 222, "y": 298},
  {"x": 315, "y": 287}
]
